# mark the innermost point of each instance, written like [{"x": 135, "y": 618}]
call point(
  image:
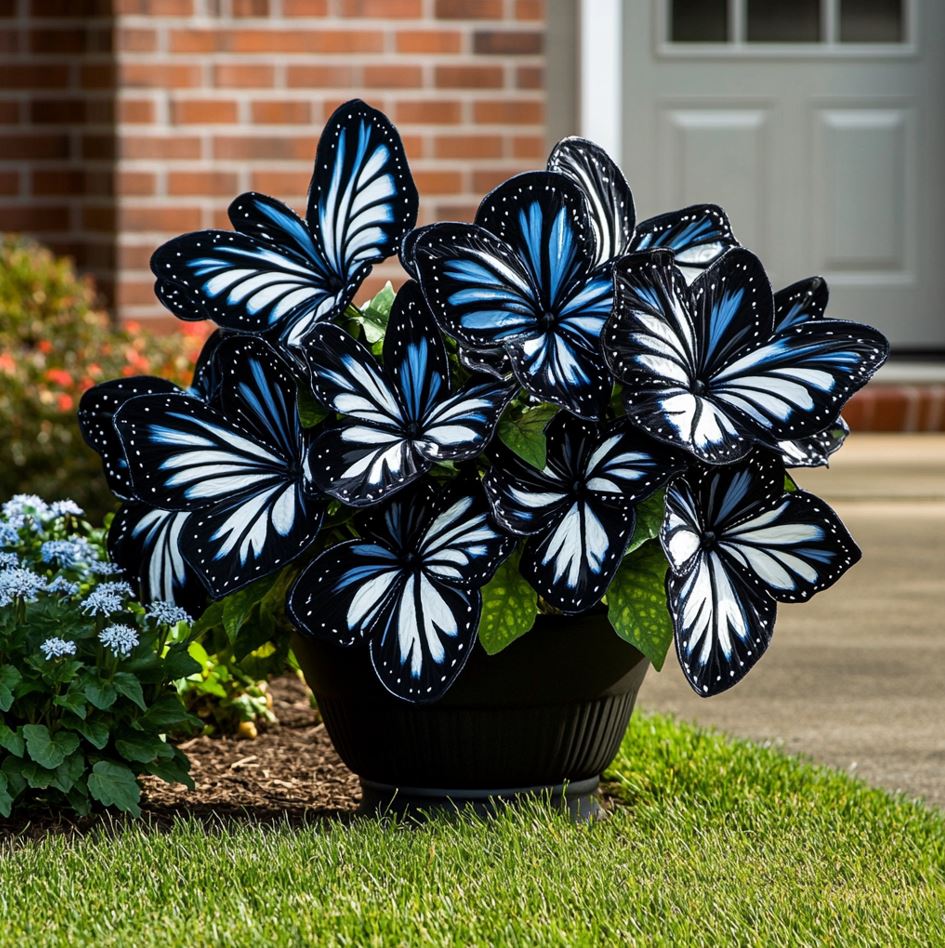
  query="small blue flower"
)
[
  {"x": 9, "y": 561},
  {"x": 167, "y": 613},
  {"x": 106, "y": 599},
  {"x": 19, "y": 583},
  {"x": 66, "y": 508},
  {"x": 25, "y": 505},
  {"x": 62, "y": 585},
  {"x": 121, "y": 639},
  {"x": 56, "y": 648},
  {"x": 105, "y": 568},
  {"x": 9, "y": 535},
  {"x": 67, "y": 553}
]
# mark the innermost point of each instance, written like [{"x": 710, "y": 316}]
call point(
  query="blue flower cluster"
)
[{"x": 120, "y": 639}]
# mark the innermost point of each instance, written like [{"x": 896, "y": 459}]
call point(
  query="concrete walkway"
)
[{"x": 856, "y": 677}]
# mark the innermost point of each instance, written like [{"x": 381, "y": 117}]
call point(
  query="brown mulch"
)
[{"x": 290, "y": 772}]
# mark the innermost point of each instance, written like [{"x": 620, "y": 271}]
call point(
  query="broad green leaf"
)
[
  {"x": 525, "y": 435},
  {"x": 69, "y": 771},
  {"x": 509, "y": 607},
  {"x": 79, "y": 799},
  {"x": 94, "y": 731},
  {"x": 167, "y": 713},
  {"x": 115, "y": 785},
  {"x": 129, "y": 686},
  {"x": 173, "y": 770},
  {"x": 311, "y": 411},
  {"x": 649, "y": 520},
  {"x": 11, "y": 741},
  {"x": 211, "y": 617},
  {"x": 36, "y": 776},
  {"x": 375, "y": 315},
  {"x": 48, "y": 750},
  {"x": 238, "y": 606},
  {"x": 73, "y": 700},
  {"x": 141, "y": 748},
  {"x": 9, "y": 679},
  {"x": 6, "y": 798},
  {"x": 102, "y": 694},
  {"x": 636, "y": 603},
  {"x": 178, "y": 663}
]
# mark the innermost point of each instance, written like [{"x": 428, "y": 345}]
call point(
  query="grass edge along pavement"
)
[{"x": 711, "y": 840}]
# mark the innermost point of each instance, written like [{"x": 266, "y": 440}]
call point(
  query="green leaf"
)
[
  {"x": 129, "y": 686},
  {"x": 36, "y": 776},
  {"x": 9, "y": 678},
  {"x": 73, "y": 700},
  {"x": 509, "y": 607},
  {"x": 48, "y": 750},
  {"x": 311, "y": 411},
  {"x": 525, "y": 435},
  {"x": 115, "y": 785},
  {"x": 650, "y": 514},
  {"x": 211, "y": 618},
  {"x": 375, "y": 315},
  {"x": 238, "y": 606},
  {"x": 11, "y": 741},
  {"x": 101, "y": 694},
  {"x": 6, "y": 798},
  {"x": 94, "y": 731},
  {"x": 166, "y": 713},
  {"x": 636, "y": 603},
  {"x": 141, "y": 748},
  {"x": 174, "y": 770},
  {"x": 790, "y": 485},
  {"x": 69, "y": 771},
  {"x": 178, "y": 663}
]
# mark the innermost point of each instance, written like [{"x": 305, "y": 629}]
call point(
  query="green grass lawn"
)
[{"x": 715, "y": 841}]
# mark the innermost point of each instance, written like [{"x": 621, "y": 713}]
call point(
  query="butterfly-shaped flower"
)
[
  {"x": 795, "y": 304},
  {"x": 737, "y": 545},
  {"x": 237, "y": 467},
  {"x": 523, "y": 278},
  {"x": 410, "y": 587},
  {"x": 697, "y": 235},
  {"x": 277, "y": 272},
  {"x": 703, "y": 367},
  {"x": 399, "y": 418},
  {"x": 578, "y": 512}
]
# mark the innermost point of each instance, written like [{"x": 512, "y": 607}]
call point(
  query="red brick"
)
[
  {"x": 530, "y": 148},
  {"x": 9, "y": 182},
  {"x": 33, "y": 146},
  {"x": 99, "y": 147},
  {"x": 9, "y": 113},
  {"x": 282, "y": 112},
  {"x": 393, "y": 77},
  {"x": 468, "y": 9},
  {"x": 530, "y": 77},
  {"x": 469, "y": 77},
  {"x": 306, "y": 41},
  {"x": 240, "y": 148},
  {"x": 57, "y": 111},
  {"x": 49, "y": 40},
  {"x": 282, "y": 183},
  {"x": 51, "y": 76},
  {"x": 932, "y": 408},
  {"x": 891, "y": 408},
  {"x": 160, "y": 75},
  {"x": 57, "y": 183},
  {"x": 507, "y": 42},
  {"x": 135, "y": 183},
  {"x": 131, "y": 292},
  {"x": 429, "y": 41},
  {"x": 485, "y": 179},
  {"x": 172, "y": 219},
  {"x": 195, "y": 41},
  {"x": 9, "y": 41},
  {"x": 35, "y": 219},
  {"x": 241, "y": 76},
  {"x": 97, "y": 75},
  {"x": 164, "y": 148},
  {"x": 529, "y": 10},
  {"x": 438, "y": 182},
  {"x": 455, "y": 212},
  {"x": 60, "y": 9},
  {"x": 202, "y": 183},
  {"x": 136, "y": 40},
  {"x": 312, "y": 8},
  {"x": 203, "y": 112},
  {"x": 136, "y": 111},
  {"x": 509, "y": 112},
  {"x": 468, "y": 146},
  {"x": 428, "y": 112},
  {"x": 382, "y": 9},
  {"x": 155, "y": 7},
  {"x": 250, "y": 7},
  {"x": 322, "y": 76}
]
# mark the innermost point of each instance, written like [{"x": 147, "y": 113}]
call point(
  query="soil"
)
[{"x": 290, "y": 772}]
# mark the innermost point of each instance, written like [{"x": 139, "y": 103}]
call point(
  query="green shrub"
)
[
  {"x": 55, "y": 342},
  {"x": 87, "y": 674}
]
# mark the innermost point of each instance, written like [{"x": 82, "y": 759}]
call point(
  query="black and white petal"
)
[{"x": 799, "y": 302}]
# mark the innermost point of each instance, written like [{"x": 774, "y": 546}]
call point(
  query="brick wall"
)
[{"x": 135, "y": 120}]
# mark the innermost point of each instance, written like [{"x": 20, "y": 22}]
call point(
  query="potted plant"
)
[{"x": 565, "y": 424}]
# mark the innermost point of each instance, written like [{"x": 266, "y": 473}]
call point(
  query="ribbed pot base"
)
[{"x": 578, "y": 800}]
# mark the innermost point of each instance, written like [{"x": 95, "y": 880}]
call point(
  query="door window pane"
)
[
  {"x": 783, "y": 21},
  {"x": 699, "y": 21},
  {"x": 871, "y": 21}
]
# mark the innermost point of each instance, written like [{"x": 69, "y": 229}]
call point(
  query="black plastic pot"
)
[{"x": 545, "y": 715}]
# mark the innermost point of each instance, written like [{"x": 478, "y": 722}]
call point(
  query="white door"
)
[{"x": 818, "y": 125}]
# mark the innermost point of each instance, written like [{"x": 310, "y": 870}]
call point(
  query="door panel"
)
[{"x": 827, "y": 153}]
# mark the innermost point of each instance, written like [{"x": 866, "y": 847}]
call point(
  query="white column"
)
[{"x": 600, "y": 73}]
